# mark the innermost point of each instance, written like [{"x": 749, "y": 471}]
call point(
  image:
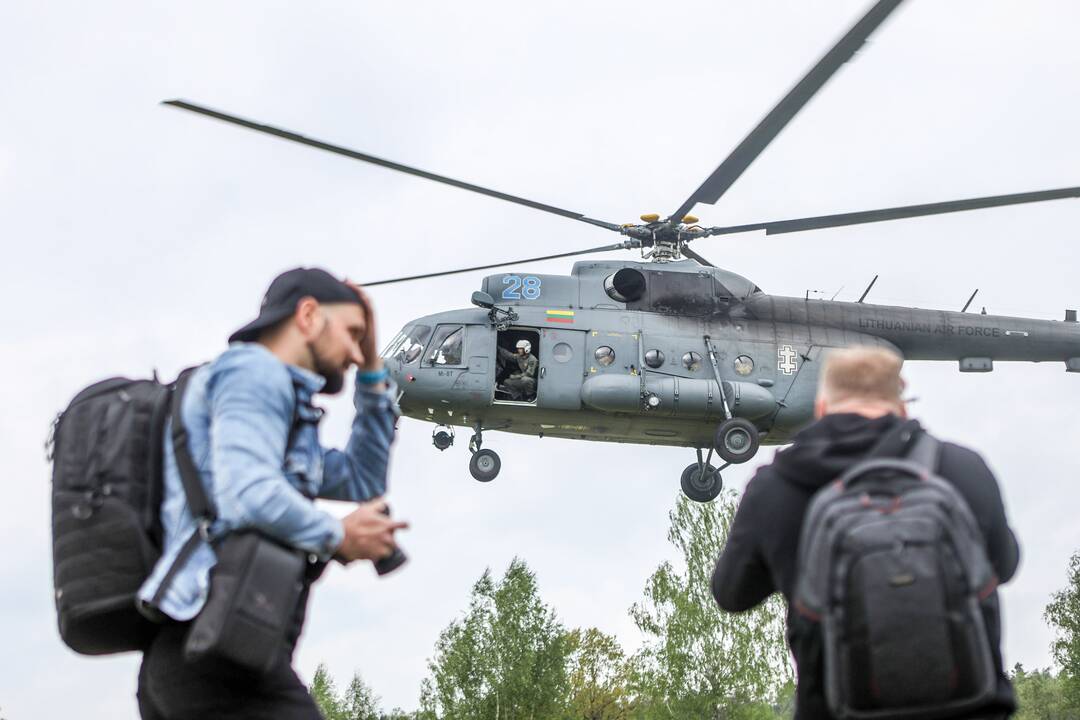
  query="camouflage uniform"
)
[{"x": 522, "y": 381}]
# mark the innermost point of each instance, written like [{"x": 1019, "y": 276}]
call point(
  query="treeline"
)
[
  {"x": 509, "y": 657},
  {"x": 1045, "y": 694}
]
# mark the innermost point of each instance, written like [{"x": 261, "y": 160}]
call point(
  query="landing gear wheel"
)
[
  {"x": 737, "y": 440},
  {"x": 485, "y": 465},
  {"x": 701, "y": 486}
]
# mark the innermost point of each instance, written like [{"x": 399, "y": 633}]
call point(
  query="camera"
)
[{"x": 394, "y": 560}]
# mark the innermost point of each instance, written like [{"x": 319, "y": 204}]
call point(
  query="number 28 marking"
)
[{"x": 527, "y": 287}]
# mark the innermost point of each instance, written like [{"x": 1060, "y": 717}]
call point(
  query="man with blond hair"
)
[{"x": 860, "y": 413}]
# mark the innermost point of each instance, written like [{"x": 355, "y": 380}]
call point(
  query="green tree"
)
[
  {"x": 1039, "y": 695},
  {"x": 325, "y": 695},
  {"x": 1063, "y": 615},
  {"x": 599, "y": 676},
  {"x": 359, "y": 701},
  {"x": 696, "y": 660},
  {"x": 399, "y": 714},
  {"x": 506, "y": 659}
]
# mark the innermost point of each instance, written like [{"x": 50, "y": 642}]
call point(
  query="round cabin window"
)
[
  {"x": 562, "y": 352},
  {"x": 744, "y": 365},
  {"x": 654, "y": 358},
  {"x": 691, "y": 361},
  {"x": 604, "y": 355}
]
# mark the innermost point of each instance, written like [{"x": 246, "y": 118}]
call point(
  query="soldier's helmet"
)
[{"x": 524, "y": 344}]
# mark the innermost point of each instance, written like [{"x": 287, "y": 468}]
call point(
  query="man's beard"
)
[{"x": 334, "y": 375}]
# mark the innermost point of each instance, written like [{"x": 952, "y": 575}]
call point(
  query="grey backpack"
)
[{"x": 893, "y": 566}]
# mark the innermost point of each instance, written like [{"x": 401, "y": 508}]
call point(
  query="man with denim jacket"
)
[{"x": 253, "y": 435}]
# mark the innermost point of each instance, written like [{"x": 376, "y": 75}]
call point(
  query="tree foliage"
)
[
  {"x": 359, "y": 701},
  {"x": 698, "y": 661},
  {"x": 325, "y": 694},
  {"x": 599, "y": 678},
  {"x": 1040, "y": 695},
  {"x": 506, "y": 659},
  {"x": 1063, "y": 615},
  {"x": 356, "y": 702}
]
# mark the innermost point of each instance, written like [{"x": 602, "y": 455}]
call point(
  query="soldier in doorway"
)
[{"x": 521, "y": 383}]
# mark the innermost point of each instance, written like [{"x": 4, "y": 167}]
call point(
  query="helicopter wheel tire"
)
[
  {"x": 701, "y": 487},
  {"x": 485, "y": 465},
  {"x": 737, "y": 440}
]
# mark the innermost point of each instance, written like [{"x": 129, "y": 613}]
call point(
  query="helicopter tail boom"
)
[{"x": 932, "y": 334}]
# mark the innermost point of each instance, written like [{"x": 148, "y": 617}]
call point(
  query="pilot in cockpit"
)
[{"x": 521, "y": 383}]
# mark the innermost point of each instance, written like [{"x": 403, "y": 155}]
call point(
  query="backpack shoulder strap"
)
[
  {"x": 925, "y": 451},
  {"x": 202, "y": 508}
]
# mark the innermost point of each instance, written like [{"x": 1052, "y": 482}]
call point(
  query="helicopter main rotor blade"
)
[
  {"x": 617, "y": 246},
  {"x": 691, "y": 254},
  {"x": 896, "y": 213},
  {"x": 356, "y": 155},
  {"x": 759, "y": 138}
]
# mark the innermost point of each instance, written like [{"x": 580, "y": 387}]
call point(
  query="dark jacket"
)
[{"x": 760, "y": 556}]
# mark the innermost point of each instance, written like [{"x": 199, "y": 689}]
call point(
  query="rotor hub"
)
[{"x": 663, "y": 241}]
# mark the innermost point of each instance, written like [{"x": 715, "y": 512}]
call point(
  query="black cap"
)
[{"x": 286, "y": 290}]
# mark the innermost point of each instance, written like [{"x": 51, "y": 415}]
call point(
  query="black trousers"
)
[{"x": 170, "y": 688}]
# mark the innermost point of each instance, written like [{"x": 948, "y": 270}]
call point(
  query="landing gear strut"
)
[
  {"x": 484, "y": 465},
  {"x": 701, "y": 482}
]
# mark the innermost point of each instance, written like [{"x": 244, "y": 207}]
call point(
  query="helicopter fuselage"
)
[{"x": 660, "y": 354}]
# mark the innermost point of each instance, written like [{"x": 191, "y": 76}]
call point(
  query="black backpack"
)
[
  {"x": 893, "y": 566},
  {"x": 106, "y": 450}
]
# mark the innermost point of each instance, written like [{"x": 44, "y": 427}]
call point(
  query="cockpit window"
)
[
  {"x": 446, "y": 346},
  {"x": 408, "y": 344}
]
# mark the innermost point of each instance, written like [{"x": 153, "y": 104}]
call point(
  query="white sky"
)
[{"x": 136, "y": 236}]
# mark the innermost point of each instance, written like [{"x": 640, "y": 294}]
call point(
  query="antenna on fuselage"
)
[
  {"x": 968, "y": 303},
  {"x": 867, "y": 290}
]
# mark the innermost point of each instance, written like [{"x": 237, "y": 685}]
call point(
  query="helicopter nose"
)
[{"x": 402, "y": 377}]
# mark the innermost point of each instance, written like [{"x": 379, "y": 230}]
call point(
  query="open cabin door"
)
[
  {"x": 562, "y": 368},
  {"x": 479, "y": 379}
]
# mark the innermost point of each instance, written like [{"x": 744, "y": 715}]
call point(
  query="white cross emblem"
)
[{"x": 786, "y": 360}]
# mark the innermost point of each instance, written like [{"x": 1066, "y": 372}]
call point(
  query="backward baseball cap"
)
[{"x": 286, "y": 291}]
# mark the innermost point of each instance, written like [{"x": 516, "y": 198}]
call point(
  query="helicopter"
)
[{"x": 670, "y": 349}]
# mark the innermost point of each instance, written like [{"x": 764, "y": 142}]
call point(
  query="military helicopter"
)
[{"x": 673, "y": 350}]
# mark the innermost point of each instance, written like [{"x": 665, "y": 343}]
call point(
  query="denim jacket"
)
[{"x": 238, "y": 411}]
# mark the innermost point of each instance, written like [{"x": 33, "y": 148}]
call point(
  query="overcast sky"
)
[{"x": 137, "y": 237}]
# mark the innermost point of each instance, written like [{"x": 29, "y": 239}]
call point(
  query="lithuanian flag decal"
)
[{"x": 560, "y": 316}]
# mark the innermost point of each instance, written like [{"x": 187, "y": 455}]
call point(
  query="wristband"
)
[{"x": 372, "y": 377}]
